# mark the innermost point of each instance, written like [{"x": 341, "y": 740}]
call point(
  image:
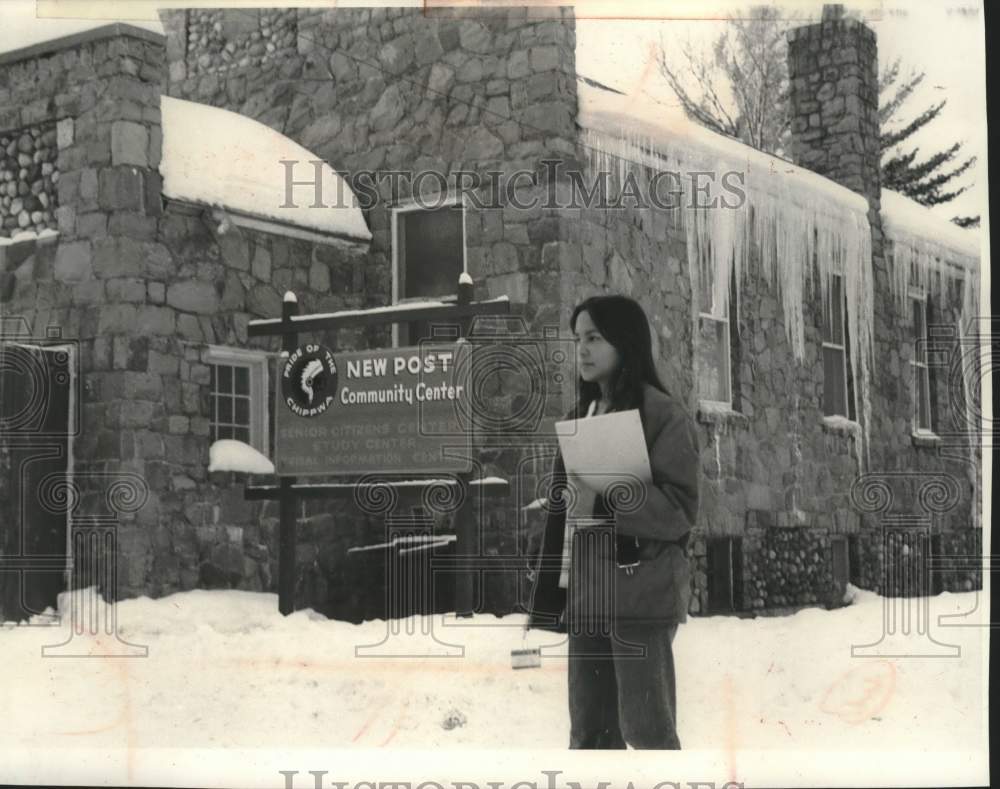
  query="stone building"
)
[{"x": 793, "y": 313}]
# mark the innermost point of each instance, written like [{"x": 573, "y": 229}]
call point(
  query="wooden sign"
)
[{"x": 400, "y": 410}]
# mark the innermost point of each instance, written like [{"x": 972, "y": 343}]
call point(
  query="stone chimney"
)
[{"x": 833, "y": 76}]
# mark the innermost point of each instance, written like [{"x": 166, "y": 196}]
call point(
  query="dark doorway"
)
[
  {"x": 841, "y": 566},
  {"x": 35, "y": 436},
  {"x": 933, "y": 562},
  {"x": 854, "y": 560},
  {"x": 725, "y": 576}
]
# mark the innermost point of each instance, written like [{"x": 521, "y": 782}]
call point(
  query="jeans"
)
[{"x": 616, "y": 697}]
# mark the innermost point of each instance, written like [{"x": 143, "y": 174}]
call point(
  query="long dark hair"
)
[{"x": 622, "y": 322}]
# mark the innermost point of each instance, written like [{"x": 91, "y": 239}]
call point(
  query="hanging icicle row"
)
[{"x": 790, "y": 222}]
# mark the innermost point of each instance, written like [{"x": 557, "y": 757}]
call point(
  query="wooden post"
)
[
  {"x": 465, "y": 518},
  {"x": 287, "y": 498}
]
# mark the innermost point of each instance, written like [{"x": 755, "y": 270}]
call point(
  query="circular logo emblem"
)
[{"x": 309, "y": 380}]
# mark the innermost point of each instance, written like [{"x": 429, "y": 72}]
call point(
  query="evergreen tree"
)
[{"x": 742, "y": 90}]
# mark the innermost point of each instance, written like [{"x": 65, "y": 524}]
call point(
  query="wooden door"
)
[{"x": 35, "y": 384}]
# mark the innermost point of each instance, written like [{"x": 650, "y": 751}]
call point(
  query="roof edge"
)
[
  {"x": 273, "y": 225},
  {"x": 51, "y": 46}
]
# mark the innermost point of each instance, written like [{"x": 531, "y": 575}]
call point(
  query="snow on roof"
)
[
  {"x": 227, "y": 454},
  {"x": 927, "y": 250},
  {"x": 215, "y": 157},
  {"x": 403, "y": 306},
  {"x": 667, "y": 130},
  {"x": 797, "y": 216},
  {"x": 903, "y": 219}
]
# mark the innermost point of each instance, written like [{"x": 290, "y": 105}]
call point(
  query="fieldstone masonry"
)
[
  {"x": 414, "y": 90},
  {"x": 833, "y": 71},
  {"x": 28, "y": 179},
  {"x": 147, "y": 284},
  {"x": 220, "y": 41}
]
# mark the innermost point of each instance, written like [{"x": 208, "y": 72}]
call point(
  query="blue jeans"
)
[{"x": 616, "y": 697}]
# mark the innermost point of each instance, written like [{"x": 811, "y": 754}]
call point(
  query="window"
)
[
  {"x": 714, "y": 341},
  {"x": 920, "y": 377},
  {"x": 238, "y": 407},
  {"x": 428, "y": 257},
  {"x": 838, "y": 394}
]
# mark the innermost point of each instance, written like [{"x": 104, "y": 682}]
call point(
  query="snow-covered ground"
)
[{"x": 226, "y": 670}]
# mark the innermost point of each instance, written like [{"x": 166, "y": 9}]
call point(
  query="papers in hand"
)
[{"x": 601, "y": 450}]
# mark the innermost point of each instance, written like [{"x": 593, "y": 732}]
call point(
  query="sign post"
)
[
  {"x": 465, "y": 526},
  {"x": 287, "y": 500},
  {"x": 394, "y": 410}
]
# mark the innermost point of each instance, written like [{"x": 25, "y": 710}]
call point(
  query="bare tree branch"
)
[{"x": 742, "y": 89}]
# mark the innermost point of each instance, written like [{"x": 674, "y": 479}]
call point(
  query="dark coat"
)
[{"x": 657, "y": 590}]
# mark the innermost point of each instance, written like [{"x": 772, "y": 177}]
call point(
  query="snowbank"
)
[
  {"x": 229, "y": 455},
  {"x": 22, "y": 236},
  {"x": 226, "y": 670},
  {"x": 215, "y": 157}
]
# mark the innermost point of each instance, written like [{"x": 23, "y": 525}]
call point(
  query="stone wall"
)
[
  {"x": 145, "y": 286},
  {"x": 954, "y": 566},
  {"x": 773, "y": 472},
  {"x": 411, "y": 90},
  {"x": 776, "y": 475},
  {"x": 28, "y": 180},
  {"x": 146, "y": 405},
  {"x": 219, "y": 41},
  {"x": 833, "y": 70},
  {"x": 407, "y": 90},
  {"x": 100, "y": 90},
  {"x": 415, "y": 90}
]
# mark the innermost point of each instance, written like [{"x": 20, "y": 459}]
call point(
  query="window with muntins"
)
[
  {"x": 238, "y": 404},
  {"x": 920, "y": 378},
  {"x": 714, "y": 343},
  {"x": 838, "y": 395}
]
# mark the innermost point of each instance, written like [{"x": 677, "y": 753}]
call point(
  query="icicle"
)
[
  {"x": 794, "y": 216},
  {"x": 925, "y": 249},
  {"x": 968, "y": 327},
  {"x": 718, "y": 456},
  {"x": 924, "y": 253}
]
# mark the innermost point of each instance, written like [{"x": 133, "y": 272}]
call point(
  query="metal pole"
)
[{"x": 287, "y": 498}]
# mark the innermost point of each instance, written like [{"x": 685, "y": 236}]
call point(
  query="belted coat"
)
[{"x": 658, "y": 588}]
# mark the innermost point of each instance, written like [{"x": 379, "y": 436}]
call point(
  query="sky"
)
[
  {"x": 927, "y": 35},
  {"x": 943, "y": 37}
]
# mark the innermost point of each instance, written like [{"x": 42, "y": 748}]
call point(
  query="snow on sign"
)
[{"x": 393, "y": 410}]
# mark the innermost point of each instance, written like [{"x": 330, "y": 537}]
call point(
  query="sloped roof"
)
[
  {"x": 667, "y": 130},
  {"x": 215, "y": 157},
  {"x": 903, "y": 218}
]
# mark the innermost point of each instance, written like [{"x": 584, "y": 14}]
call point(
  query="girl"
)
[{"x": 628, "y": 576}]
